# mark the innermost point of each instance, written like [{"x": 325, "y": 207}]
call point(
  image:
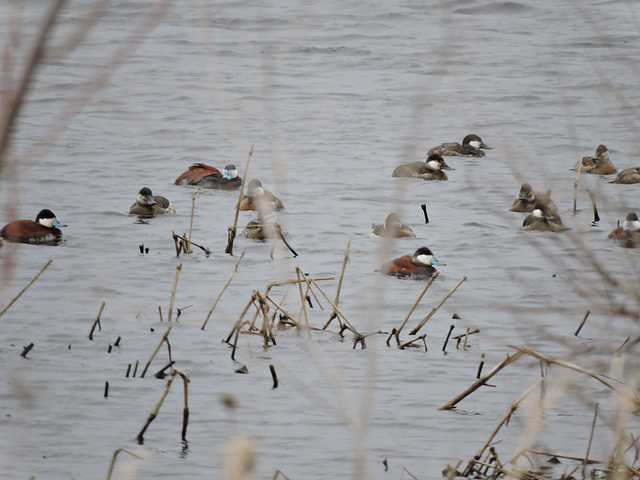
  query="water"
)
[{"x": 332, "y": 97}]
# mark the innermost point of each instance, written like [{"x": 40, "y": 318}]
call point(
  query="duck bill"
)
[
  {"x": 485, "y": 146},
  {"x": 56, "y": 223},
  {"x": 446, "y": 167}
]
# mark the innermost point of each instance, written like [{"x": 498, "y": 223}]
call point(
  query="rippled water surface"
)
[{"x": 332, "y": 96}]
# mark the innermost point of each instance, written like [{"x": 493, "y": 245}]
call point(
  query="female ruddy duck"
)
[
  {"x": 261, "y": 228},
  {"x": 628, "y": 235},
  {"x": 628, "y": 175},
  {"x": 543, "y": 219},
  {"x": 392, "y": 227},
  {"x": 417, "y": 266},
  {"x": 430, "y": 169},
  {"x": 471, "y": 147},
  {"x": 148, "y": 204},
  {"x": 195, "y": 173},
  {"x": 257, "y": 198},
  {"x": 43, "y": 230},
  {"x": 229, "y": 180},
  {"x": 599, "y": 164},
  {"x": 526, "y": 199}
]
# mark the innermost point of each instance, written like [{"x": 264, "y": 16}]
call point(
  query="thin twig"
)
[
  {"x": 415, "y": 304},
  {"x": 575, "y": 184},
  {"x": 233, "y": 272},
  {"x": 435, "y": 309},
  {"x": 96, "y": 322},
  {"x": 232, "y": 230},
  {"x": 25, "y": 288},
  {"x": 593, "y": 426},
  {"x": 153, "y": 355},
  {"x": 173, "y": 292},
  {"x": 113, "y": 460}
]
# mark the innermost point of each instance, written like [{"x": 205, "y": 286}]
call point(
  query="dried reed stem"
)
[
  {"x": 279, "y": 307},
  {"x": 335, "y": 307},
  {"x": 435, "y": 309},
  {"x": 575, "y": 184},
  {"x": 568, "y": 457},
  {"x": 27, "y": 349},
  {"x": 593, "y": 426},
  {"x": 96, "y": 322},
  {"x": 186, "y": 241},
  {"x": 424, "y": 210},
  {"x": 449, "y": 405},
  {"x": 25, "y": 288},
  {"x": 302, "y": 297},
  {"x": 415, "y": 304},
  {"x": 156, "y": 409},
  {"x": 274, "y": 376},
  {"x": 232, "y": 230},
  {"x": 413, "y": 340},
  {"x": 309, "y": 289},
  {"x": 444, "y": 346},
  {"x": 165, "y": 338},
  {"x": 113, "y": 460},
  {"x": 185, "y": 411},
  {"x": 334, "y": 314},
  {"x": 584, "y": 319},
  {"x": 279, "y": 472},
  {"x": 504, "y": 419},
  {"x": 233, "y": 272},
  {"x": 280, "y": 235},
  {"x": 193, "y": 208},
  {"x": 173, "y": 292}
]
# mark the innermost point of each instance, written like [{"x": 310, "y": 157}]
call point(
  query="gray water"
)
[{"x": 332, "y": 96}]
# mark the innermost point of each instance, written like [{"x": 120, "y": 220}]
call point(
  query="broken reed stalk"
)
[
  {"x": 435, "y": 309},
  {"x": 592, "y": 196},
  {"x": 510, "y": 359},
  {"x": 193, "y": 208},
  {"x": 584, "y": 319},
  {"x": 595, "y": 375},
  {"x": 156, "y": 409},
  {"x": 188, "y": 241},
  {"x": 27, "y": 349},
  {"x": 113, "y": 460},
  {"x": 25, "y": 288},
  {"x": 96, "y": 322},
  {"x": 344, "y": 319},
  {"x": 334, "y": 314},
  {"x": 165, "y": 338},
  {"x": 504, "y": 419},
  {"x": 424, "y": 210},
  {"x": 185, "y": 411},
  {"x": 575, "y": 184},
  {"x": 232, "y": 230},
  {"x": 173, "y": 292},
  {"x": 444, "y": 346},
  {"x": 280, "y": 235},
  {"x": 233, "y": 272},
  {"x": 415, "y": 304},
  {"x": 413, "y": 340},
  {"x": 593, "y": 426},
  {"x": 309, "y": 289},
  {"x": 302, "y": 296},
  {"x": 274, "y": 376},
  {"x": 284, "y": 312}
]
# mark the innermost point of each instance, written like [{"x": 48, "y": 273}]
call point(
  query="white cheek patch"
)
[
  {"x": 433, "y": 165},
  {"x": 425, "y": 259},
  {"x": 47, "y": 222},
  {"x": 538, "y": 213},
  {"x": 475, "y": 144},
  {"x": 633, "y": 225}
]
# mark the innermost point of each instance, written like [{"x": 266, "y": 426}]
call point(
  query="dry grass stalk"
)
[
  {"x": 415, "y": 304},
  {"x": 302, "y": 277},
  {"x": 334, "y": 314},
  {"x": 165, "y": 339},
  {"x": 96, "y": 322},
  {"x": 185, "y": 411},
  {"x": 510, "y": 359},
  {"x": 410, "y": 343},
  {"x": 279, "y": 472},
  {"x": 25, "y": 288},
  {"x": 575, "y": 184},
  {"x": 233, "y": 272},
  {"x": 435, "y": 309},
  {"x": 183, "y": 244},
  {"x": 593, "y": 426},
  {"x": 284, "y": 312},
  {"x": 173, "y": 291},
  {"x": 113, "y": 460},
  {"x": 584, "y": 319},
  {"x": 193, "y": 208},
  {"x": 280, "y": 235},
  {"x": 232, "y": 230},
  {"x": 335, "y": 307}
]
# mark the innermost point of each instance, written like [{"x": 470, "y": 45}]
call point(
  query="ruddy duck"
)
[
  {"x": 392, "y": 227},
  {"x": 229, "y": 180},
  {"x": 628, "y": 175},
  {"x": 418, "y": 266},
  {"x": 261, "y": 228},
  {"x": 526, "y": 199},
  {"x": 195, "y": 173},
  {"x": 257, "y": 198},
  {"x": 543, "y": 219},
  {"x": 430, "y": 169},
  {"x": 44, "y": 230},
  {"x": 628, "y": 235},
  {"x": 599, "y": 164},
  {"x": 471, "y": 147},
  {"x": 148, "y": 204}
]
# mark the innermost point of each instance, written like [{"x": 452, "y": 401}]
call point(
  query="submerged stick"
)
[
  {"x": 415, "y": 304},
  {"x": 280, "y": 235},
  {"x": 274, "y": 376},
  {"x": 596, "y": 217},
  {"x": 25, "y": 288},
  {"x": 185, "y": 411},
  {"x": 334, "y": 314},
  {"x": 233, "y": 272},
  {"x": 153, "y": 355},
  {"x": 27, "y": 349},
  {"x": 185, "y": 240},
  {"x": 97, "y": 322},
  {"x": 173, "y": 292},
  {"x": 575, "y": 184},
  {"x": 584, "y": 319},
  {"x": 510, "y": 359},
  {"x": 232, "y": 230},
  {"x": 424, "y": 210},
  {"x": 156, "y": 409},
  {"x": 444, "y": 347},
  {"x": 113, "y": 460},
  {"x": 435, "y": 309}
]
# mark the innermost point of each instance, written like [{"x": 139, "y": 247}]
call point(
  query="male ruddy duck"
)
[
  {"x": 392, "y": 227},
  {"x": 261, "y": 228},
  {"x": 148, "y": 204},
  {"x": 599, "y": 164},
  {"x": 471, "y": 147},
  {"x": 418, "y": 266},
  {"x": 257, "y": 198},
  {"x": 526, "y": 199},
  {"x": 44, "y": 230},
  {"x": 628, "y": 175},
  {"x": 195, "y": 173},
  {"x": 543, "y": 219},
  {"x": 228, "y": 180},
  {"x": 628, "y": 235},
  {"x": 430, "y": 169}
]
